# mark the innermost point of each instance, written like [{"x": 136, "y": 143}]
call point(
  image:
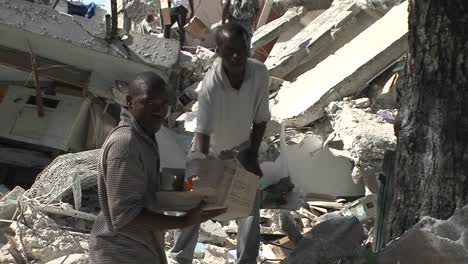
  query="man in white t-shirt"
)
[
  {"x": 179, "y": 10},
  {"x": 232, "y": 110},
  {"x": 145, "y": 28}
]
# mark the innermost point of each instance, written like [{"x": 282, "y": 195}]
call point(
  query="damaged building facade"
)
[{"x": 335, "y": 71}]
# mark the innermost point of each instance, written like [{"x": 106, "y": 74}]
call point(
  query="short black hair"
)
[
  {"x": 230, "y": 30},
  {"x": 143, "y": 81}
]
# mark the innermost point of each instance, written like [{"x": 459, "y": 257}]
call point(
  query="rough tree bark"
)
[{"x": 432, "y": 151}]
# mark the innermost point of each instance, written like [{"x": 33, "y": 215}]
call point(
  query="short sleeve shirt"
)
[{"x": 227, "y": 114}]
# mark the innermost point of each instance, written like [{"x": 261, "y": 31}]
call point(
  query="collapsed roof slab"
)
[
  {"x": 346, "y": 72},
  {"x": 71, "y": 40},
  {"x": 273, "y": 29},
  {"x": 335, "y": 27}
]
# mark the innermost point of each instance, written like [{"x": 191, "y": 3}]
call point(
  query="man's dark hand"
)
[
  {"x": 249, "y": 160},
  {"x": 197, "y": 215}
]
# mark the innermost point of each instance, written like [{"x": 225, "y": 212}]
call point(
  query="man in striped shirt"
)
[{"x": 129, "y": 229}]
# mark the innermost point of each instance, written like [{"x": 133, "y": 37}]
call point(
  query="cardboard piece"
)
[
  {"x": 221, "y": 184},
  {"x": 196, "y": 28},
  {"x": 165, "y": 12}
]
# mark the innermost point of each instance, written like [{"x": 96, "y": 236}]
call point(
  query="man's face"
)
[
  {"x": 149, "y": 108},
  {"x": 233, "y": 53}
]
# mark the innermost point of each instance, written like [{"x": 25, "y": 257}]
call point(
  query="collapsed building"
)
[{"x": 335, "y": 66}]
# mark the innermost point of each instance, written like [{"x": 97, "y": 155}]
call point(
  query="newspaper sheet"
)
[{"x": 221, "y": 184}]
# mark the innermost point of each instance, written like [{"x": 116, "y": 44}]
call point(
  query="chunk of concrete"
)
[
  {"x": 212, "y": 233},
  {"x": 433, "y": 241},
  {"x": 160, "y": 52},
  {"x": 44, "y": 240},
  {"x": 272, "y": 220},
  {"x": 365, "y": 137},
  {"x": 338, "y": 238},
  {"x": 215, "y": 255},
  {"x": 346, "y": 72}
]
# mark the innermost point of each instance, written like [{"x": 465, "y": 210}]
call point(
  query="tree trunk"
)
[{"x": 432, "y": 150}]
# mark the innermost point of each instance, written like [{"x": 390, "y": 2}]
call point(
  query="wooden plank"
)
[{"x": 51, "y": 69}]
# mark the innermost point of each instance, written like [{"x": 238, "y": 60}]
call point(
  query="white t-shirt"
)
[
  {"x": 227, "y": 114},
  {"x": 184, "y": 3},
  {"x": 144, "y": 27}
]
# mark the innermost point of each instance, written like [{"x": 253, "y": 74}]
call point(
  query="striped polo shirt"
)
[{"x": 128, "y": 179}]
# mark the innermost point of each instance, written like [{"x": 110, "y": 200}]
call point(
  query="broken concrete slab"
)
[
  {"x": 44, "y": 240},
  {"x": 215, "y": 255},
  {"x": 346, "y": 72},
  {"x": 326, "y": 34},
  {"x": 281, "y": 62},
  {"x": 273, "y": 29},
  {"x": 434, "y": 241},
  {"x": 194, "y": 66},
  {"x": 160, "y": 52},
  {"x": 336, "y": 239},
  {"x": 364, "y": 138},
  {"x": 212, "y": 233},
  {"x": 61, "y": 38}
]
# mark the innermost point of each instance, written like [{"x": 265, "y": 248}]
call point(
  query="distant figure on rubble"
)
[
  {"x": 179, "y": 11},
  {"x": 242, "y": 12},
  {"x": 128, "y": 229},
  {"x": 232, "y": 111},
  {"x": 145, "y": 28}
]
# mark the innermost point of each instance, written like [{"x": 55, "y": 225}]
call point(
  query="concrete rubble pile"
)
[{"x": 362, "y": 137}]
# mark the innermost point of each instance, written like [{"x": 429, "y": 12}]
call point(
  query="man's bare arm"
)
[
  {"x": 256, "y": 136},
  {"x": 192, "y": 9}
]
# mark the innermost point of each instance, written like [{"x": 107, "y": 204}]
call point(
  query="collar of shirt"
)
[
  {"x": 227, "y": 82},
  {"x": 126, "y": 118}
]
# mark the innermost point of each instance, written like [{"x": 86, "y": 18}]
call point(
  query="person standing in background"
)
[
  {"x": 242, "y": 12},
  {"x": 144, "y": 27},
  {"x": 179, "y": 11}
]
